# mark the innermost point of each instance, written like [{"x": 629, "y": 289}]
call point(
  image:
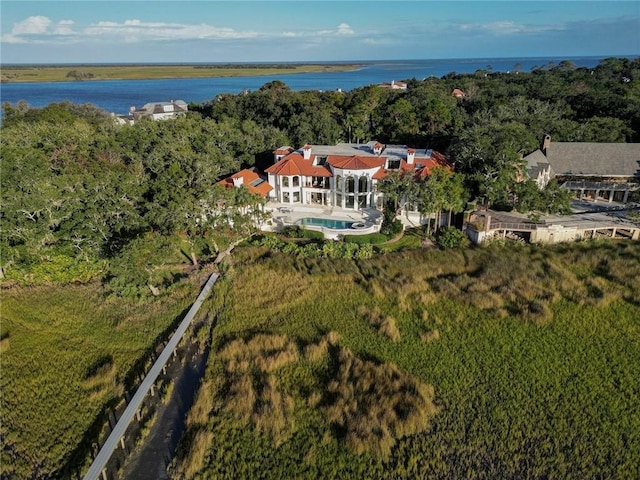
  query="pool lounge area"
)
[{"x": 332, "y": 222}]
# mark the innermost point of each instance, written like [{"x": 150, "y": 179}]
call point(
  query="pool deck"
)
[{"x": 284, "y": 214}]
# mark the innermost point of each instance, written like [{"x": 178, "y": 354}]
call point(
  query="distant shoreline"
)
[{"x": 93, "y": 72}]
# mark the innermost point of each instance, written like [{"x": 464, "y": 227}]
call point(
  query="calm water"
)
[
  {"x": 326, "y": 222},
  {"x": 118, "y": 95}
]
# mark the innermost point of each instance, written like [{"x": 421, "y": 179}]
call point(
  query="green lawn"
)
[{"x": 533, "y": 354}]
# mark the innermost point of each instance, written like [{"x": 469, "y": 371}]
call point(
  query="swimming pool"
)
[{"x": 326, "y": 223}]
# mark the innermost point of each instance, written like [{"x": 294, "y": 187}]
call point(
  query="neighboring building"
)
[
  {"x": 394, "y": 85},
  {"x": 597, "y": 171},
  {"x": 155, "y": 111},
  {"x": 344, "y": 175},
  {"x": 459, "y": 94},
  {"x": 538, "y": 168},
  {"x": 250, "y": 179}
]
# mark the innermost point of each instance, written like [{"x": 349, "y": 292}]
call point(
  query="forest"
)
[{"x": 122, "y": 216}]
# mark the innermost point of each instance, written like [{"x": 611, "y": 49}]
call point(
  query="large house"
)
[
  {"x": 344, "y": 175},
  {"x": 597, "y": 171},
  {"x": 155, "y": 111}
]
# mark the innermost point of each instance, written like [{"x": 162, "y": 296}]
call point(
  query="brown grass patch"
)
[
  {"x": 194, "y": 462},
  {"x": 372, "y": 405},
  {"x": 252, "y": 395},
  {"x": 430, "y": 336},
  {"x": 385, "y": 325}
]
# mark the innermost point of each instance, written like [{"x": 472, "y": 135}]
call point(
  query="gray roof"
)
[
  {"x": 536, "y": 162},
  {"x": 594, "y": 159},
  {"x": 366, "y": 150}
]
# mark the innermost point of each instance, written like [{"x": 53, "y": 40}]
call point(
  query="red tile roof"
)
[
  {"x": 295, "y": 164},
  {"x": 355, "y": 162},
  {"x": 250, "y": 179},
  {"x": 283, "y": 151},
  {"x": 437, "y": 160}
]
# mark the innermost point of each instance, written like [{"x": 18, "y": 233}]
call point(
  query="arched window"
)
[
  {"x": 285, "y": 181},
  {"x": 351, "y": 185},
  {"x": 296, "y": 181},
  {"x": 363, "y": 184},
  {"x": 339, "y": 183}
]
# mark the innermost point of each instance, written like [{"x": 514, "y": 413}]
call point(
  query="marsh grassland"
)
[
  {"x": 493, "y": 362},
  {"x": 62, "y": 73},
  {"x": 67, "y": 352}
]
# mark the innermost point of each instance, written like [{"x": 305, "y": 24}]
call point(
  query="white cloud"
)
[
  {"x": 64, "y": 27},
  {"x": 42, "y": 30},
  {"x": 506, "y": 28},
  {"x": 32, "y": 25},
  {"x": 341, "y": 30},
  {"x": 134, "y": 30},
  {"x": 36, "y": 29},
  {"x": 345, "y": 29}
]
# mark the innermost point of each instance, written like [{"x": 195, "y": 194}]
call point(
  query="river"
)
[{"x": 118, "y": 95}]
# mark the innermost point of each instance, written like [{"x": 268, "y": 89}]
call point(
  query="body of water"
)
[{"x": 118, "y": 95}]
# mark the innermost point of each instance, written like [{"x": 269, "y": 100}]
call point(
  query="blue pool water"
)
[{"x": 325, "y": 222}]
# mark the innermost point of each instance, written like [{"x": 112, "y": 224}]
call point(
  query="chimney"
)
[
  {"x": 306, "y": 152},
  {"x": 411, "y": 153},
  {"x": 238, "y": 181},
  {"x": 546, "y": 142},
  {"x": 377, "y": 148}
]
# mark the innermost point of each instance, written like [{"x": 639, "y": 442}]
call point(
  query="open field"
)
[
  {"x": 530, "y": 356},
  {"x": 65, "y": 73},
  {"x": 66, "y": 353}
]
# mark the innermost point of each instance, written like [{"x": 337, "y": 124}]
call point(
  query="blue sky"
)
[{"x": 271, "y": 31}]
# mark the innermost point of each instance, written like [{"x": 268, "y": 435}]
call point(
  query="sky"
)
[{"x": 151, "y": 31}]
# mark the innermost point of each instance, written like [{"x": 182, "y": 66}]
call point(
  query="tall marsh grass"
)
[
  {"x": 71, "y": 349},
  {"x": 511, "y": 363}
]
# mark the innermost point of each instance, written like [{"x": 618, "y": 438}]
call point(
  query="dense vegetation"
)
[
  {"x": 79, "y": 191},
  {"x": 485, "y": 363},
  {"x": 67, "y": 353}
]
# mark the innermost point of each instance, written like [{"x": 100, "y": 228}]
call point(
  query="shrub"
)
[
  {"x": 391, "y": 228},
  {"x": 450, "y": 237},
  {"x": 371, "y": 238},
  {"x": 312, "y": 234},
  {"x": 292, "y": 231}
]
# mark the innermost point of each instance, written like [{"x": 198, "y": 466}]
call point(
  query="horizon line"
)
[{"x": 323, "y": 62}]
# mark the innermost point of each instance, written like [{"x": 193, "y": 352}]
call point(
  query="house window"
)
[
  {"x": 296, "y": 197},
  {"x": 363, "y": 184},
  {"x": 339, "y": 183},
  {"x": 285, "y": 181},
  {"x": 393, "y": 164},
  {"x": 351, "y": 185},
  {"x": 320, "y": 182},
  {"x": 285, "y": 197},
  {"x": 350, "y": 201},
  {"x": 296, "y": 181}
]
